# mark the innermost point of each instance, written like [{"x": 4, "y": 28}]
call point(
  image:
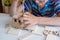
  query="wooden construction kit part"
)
[
  {"x": 33, "y": 37},
  {"x": 7, "y": 25},
  {"x": 16, "y": 22},
  {"x": 56, "y": 33},
  {"x": 52, "y": 37}
]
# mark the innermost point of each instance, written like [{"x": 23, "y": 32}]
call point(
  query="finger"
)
[
  {"x": 26, "y": 22},
  {"x": 20, "y": 18},
  {"x": 25, "y": 25},
  {"x": 25, "y": 18},
  {"x": 30, "y": 25},
  {"x": 26, "y": 13}
]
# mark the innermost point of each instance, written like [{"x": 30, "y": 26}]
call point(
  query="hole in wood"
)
[
  {"x": 15, "y": 20},
  {"x": 19, "y": 21}
]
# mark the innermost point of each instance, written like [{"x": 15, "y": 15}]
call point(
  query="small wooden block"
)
[
  {"x": 52, "y": 37},
  {"x": 52, "y": 28},
  {"x": 13, "y": 31},
  {"x": 36, "y": 29},
  {"x": 45, "y": 32},
  {"x": 7, "y": 25},
  {"x": 33, "y": 37}
]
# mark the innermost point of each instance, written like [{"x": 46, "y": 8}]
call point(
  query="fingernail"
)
[{"x": 24, "y": 15}]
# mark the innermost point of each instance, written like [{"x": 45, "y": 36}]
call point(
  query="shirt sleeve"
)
[{"x": 57, "y": 7}]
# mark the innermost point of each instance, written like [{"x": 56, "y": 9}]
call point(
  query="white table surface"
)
[{"x": 5, "y": 18}]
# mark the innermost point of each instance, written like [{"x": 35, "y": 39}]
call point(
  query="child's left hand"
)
[{"x": 30, "y": 19}]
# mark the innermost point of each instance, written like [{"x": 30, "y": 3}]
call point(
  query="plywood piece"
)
[
  {"x": 33, "y": 37},
  {"x": 33, "y": 27},
  {"x": 52, "y": 37},
  {"x": 7, "y": 25},
  {"x": 17, "y": 23},
  {"x": 36, "y": 29},
  {"x": 14, "y": 31},
  {"x": 52, "y": 28},
  {"x": 19, "y": 32},
  {"x": 23, "y": 33}
]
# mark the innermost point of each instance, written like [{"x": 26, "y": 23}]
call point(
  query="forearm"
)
[{"x": 49, "y": 21}]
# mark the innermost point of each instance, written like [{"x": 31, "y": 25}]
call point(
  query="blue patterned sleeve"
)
[
  {"x": 57, "y": 7},
  {"x": 27, "y": 5}
]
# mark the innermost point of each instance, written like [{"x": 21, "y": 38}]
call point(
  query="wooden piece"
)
[
  {"x": 7, "y": 25},
  {"x": 17, "y": 21},
  {"x": 14, "y": 31},
  {"x": 36, "y": 29},
  {"x": 33, "y": 37},
  {"x": 52, "y": 37}
]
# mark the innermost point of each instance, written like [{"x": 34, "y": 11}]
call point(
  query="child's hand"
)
[{"x": 30, "y": 19}]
